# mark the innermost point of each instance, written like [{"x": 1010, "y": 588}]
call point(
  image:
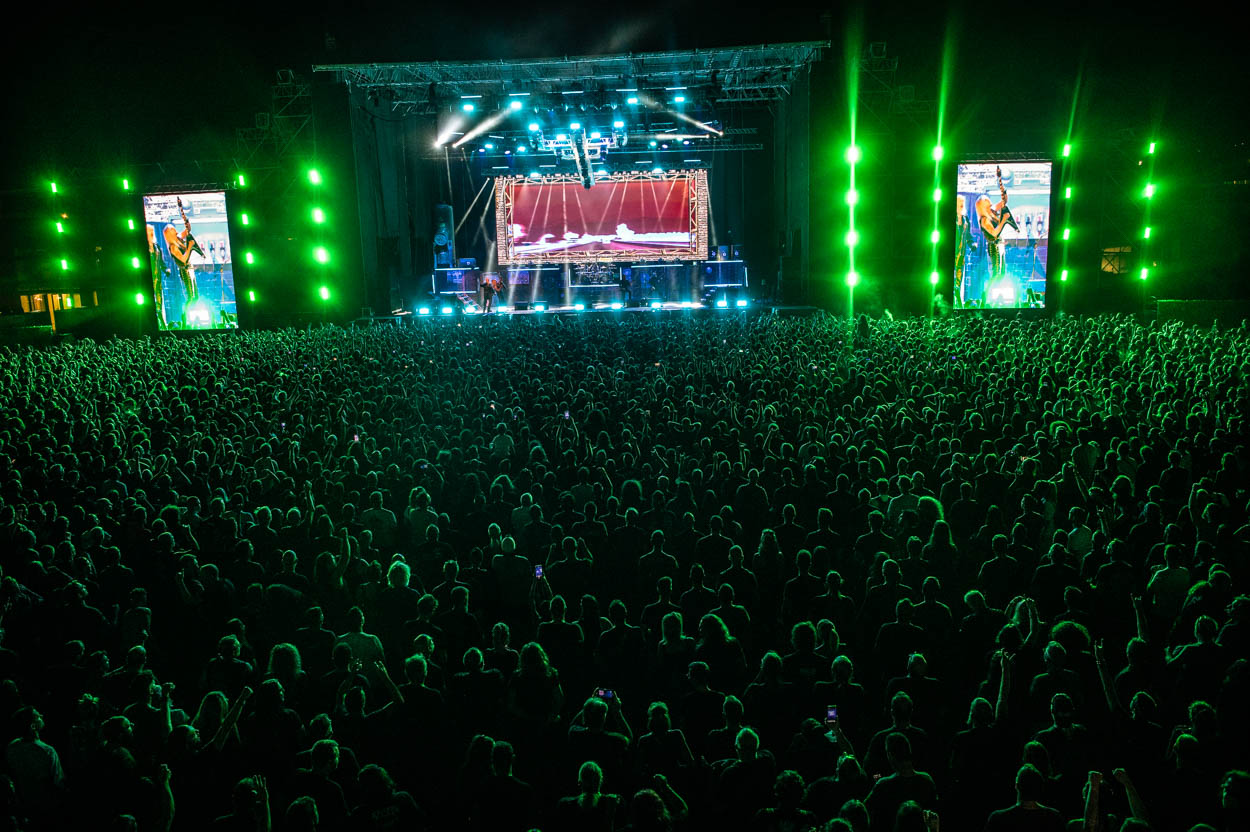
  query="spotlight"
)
[
  {"x": 633, "y": 99},
  {"x": 652, "y": 143},
  {"x": 1063, "y": 276},
  {"x": 938, "y": 153},
  {"x": 852, "y": 197},
  {"x": 679, "y": 99},
  {"x": 575, "y": 126},
  {"x": 596, "y": 135},
  {"x": 534, "y": 174},
  {"x": 579, "y": 307},
  {"x": 424, "y": 310},
  {"x": 1067, "y": 193},
  {"x": 134, "y": 262},
  {"x": 314, "y": 176},
  {"x": 251, "y": 295},
  {"x": 515, "y": 104},
  {"x": 562, "y": 137},
  {"x": 126, "y": 182},
  {"x": 1146, "y": 233},
  {"x": 130, "y": 224},
  {"x": 1150, "y": 191},
  {"x": 935, "y": 236},
  {"x": 1144, "y": 272},
  {"x": 489, "y": 146},
  {"x": 64, "y": 265},
  {"x": 1151, "y": 149},
  {"x": 242, "y": 181},
  {"x": 534, "y": 127},
  {"x": 853, "y": 154},
  {"x": 618, "y": 125},
  {"x": 742, "y": 303},
  {"x": 933, "y": 278},
  {"x": 655, "y": 304},
  {"x": 521, "y": 148},
  {"x": 318, "y": 216},
  {"x": 140, "y": 299},
  {"x": 467, "y": 106},
  {"x": 852, "y": 279},
  {"x": 242, "y": 219},
  {"x": 657, "y": 170},
  {"x": 685, "y": 141},
  {"x": 937, "y": 194},
  {"x": 540, "y": 307},
  {"x": 446, "y": 310},
  {"x": 249, "y": 257},
  {"x": 321, "y": 255},
  {"x": 324, "y": 291},
  {"x": 722, "y": 303},
  {"x": 852, "y": 238},
  {"x": 616, "y": 305},
  {"x": 1067, "y": 232},
  {"x": 687, "y": 304},
  {"x": 1067, "y": 150}
]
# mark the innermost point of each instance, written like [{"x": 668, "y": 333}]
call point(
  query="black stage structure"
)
[{"x": 432, "y": 139}]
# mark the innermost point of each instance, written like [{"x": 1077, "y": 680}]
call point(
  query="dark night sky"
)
[{"x": 102, "y": 89}]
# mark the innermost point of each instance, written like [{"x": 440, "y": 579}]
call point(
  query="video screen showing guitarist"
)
[
  {"x": 990, "y": 197},
  {"x": 192, "y": 288}
]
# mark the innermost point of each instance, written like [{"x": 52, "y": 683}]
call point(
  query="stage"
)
[{"x": 599, "y": 310}]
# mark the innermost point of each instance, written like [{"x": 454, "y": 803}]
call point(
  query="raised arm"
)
[
  {"x": 1135, "y": 803},
  {"x": 1004, "y": 686},
  {"x": 1092, "y": 821},
  {"x": 1104, "y": 677}
]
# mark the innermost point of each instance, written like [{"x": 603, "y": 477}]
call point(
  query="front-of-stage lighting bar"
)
[
  {"x": 687, "y": 304},
  {"x": 446, "y": 310},
  {"x": 579, "y": 307},
  {"x": 540, "y": 307},
  {"x": 722, "y": 303},
  {"x": 742, "y": 303},
  {"x": 655, "y": 304},
  {"x": 424, "y": 310},
  {"x": 616, "y": 305}
]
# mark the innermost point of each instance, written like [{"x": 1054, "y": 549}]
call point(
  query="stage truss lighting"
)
[
  {"x": 135, "y": 263},
  {"x": 140, "y": 299},
  {"x": 324, "y": 292},
  {"x": 314, "y": 176}
]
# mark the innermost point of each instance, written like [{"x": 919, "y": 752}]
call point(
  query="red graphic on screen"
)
[{"x": 612, "y": 217}]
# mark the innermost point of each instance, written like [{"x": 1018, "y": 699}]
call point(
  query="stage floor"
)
[{"x": 449, "y": 311}]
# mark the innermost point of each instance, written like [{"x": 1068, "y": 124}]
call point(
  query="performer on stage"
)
[
  {"x": 491, "y": 286},
  {"x": 627, "y": 289},
  {"x": 181, "y": 247},
  {"x": 993, "y": 219},
  {"x": 963, "y": 232},
  {"x": 156, "y": 259}
]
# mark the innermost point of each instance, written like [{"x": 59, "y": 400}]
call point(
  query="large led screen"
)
[
  {"x": 635, "y": 216},
  {"x": 1002, "y": 232},
  {"x": 190, "y": 261}
]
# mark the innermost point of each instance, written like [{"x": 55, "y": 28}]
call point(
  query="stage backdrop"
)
[
  {"x": 1009, "y": 271},
  {"x": 625, "y": 216},
  {"x": 190, "y": 259}
]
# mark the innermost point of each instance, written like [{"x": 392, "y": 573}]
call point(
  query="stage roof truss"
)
[{"x": 743, "y": 75}]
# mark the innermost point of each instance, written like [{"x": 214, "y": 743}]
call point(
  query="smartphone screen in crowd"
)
[{"x": 538, "y": 571}]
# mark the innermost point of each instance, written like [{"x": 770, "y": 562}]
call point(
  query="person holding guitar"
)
[
  {"x": 181, "y": 247},
  {"x": 159, "y": 269},
  {"x": 993, "y": 219}
]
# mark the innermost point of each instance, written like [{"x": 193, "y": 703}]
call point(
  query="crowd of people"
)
[{"x": 647, "y": 572}]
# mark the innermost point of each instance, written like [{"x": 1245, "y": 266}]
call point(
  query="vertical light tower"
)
[
  {"x": 853, "y": 155},
  {"x": 935, "y": 235},
  {"x": 320, "y": 254},
  {"x": 245, "y": 220},
  {"x": 1147, "y": 235},
  {"x": 1066, "y": 179}
]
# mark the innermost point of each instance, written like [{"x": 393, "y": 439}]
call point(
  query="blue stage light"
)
[
  {"x": 534, "y": 127},
  {"x": 633, "y": 99},
  {"x": 652, "y": 143},
  {"x": 617, "y": 305},
  {"x": 722, "y": 303},
  {"x": 424, "y": 310},
  {"x": 446, "y": 310},
  {"x": 489, "y": 146},
  {"x": 534, "y": 174},
  {"x": 655, "y": 304},
  {"x": 618, "y": 125},
  {"x": 540, "y": 307},
  {"x": 467, "y": 107},
  {"x": 575, "y": 126},
  {"x": 515, "y": 104},
  {"x": 657, "y": 170},
  {"x": 561, "y": 137},
  {"x": 596, "y": 135},
  {"x": 521, "y": 148},
  {"x": 743, "y": 302},
  {"x": 579, "y": 307},
  {"x": 679, "y": 99}
]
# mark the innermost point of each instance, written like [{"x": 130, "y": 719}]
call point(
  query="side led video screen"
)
[
  {"x": 1002, "y": 232},
  {"x": 190, "y": 259},
  {"x": 624, "y": 216}
]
